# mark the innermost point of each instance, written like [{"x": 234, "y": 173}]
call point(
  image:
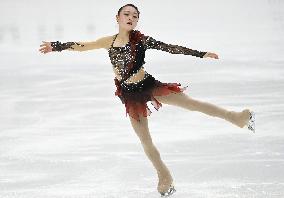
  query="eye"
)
[
  {"x": 126, "y": 14},
  {"x": 135, "y": 17}
]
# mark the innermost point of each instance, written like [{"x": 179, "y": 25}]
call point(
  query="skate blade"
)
[
  {"x": 171, "y": 191},
  {"x": 251, "y": 123}
]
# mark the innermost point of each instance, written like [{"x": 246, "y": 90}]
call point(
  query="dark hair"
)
[{"x": 129, "y": 4}]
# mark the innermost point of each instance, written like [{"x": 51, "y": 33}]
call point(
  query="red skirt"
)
[{"x": 136, "y": 95}]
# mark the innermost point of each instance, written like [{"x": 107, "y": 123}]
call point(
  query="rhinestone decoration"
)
[
  {"x": 151, "y": 43},
  {"x": 171, "y": 191},
  {"x": 120, "y": 57},
  {"x": 251, "y": 122},
  {"x": 58, "y": 46}
]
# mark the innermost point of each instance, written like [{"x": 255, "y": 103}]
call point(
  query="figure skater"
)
[{"x": 135, "y": 87}]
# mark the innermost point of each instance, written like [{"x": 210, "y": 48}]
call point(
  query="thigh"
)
[
  {"x": 141, "y": 129},
  {"x": 173, "y": 98},
  {"x": 180, "y": 99}
]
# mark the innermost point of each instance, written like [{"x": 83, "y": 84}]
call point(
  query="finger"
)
[{"x": 42, "y": 50}]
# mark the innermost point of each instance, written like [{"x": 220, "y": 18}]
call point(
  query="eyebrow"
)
[{"x": 129, "y": 11}]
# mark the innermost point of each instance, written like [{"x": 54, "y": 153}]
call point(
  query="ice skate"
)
[
  {"x": 170, "y": 191},
  {"x": 251, "y": 122}
]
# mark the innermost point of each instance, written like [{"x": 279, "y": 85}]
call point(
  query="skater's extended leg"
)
[
  {"x": 142, "y": 131},
  {"x": 183, "y": 100}
]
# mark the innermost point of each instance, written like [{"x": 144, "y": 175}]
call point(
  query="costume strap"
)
[{"x": 113, "y": 40}]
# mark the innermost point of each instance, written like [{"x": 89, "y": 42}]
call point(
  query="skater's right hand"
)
[
  {"x": 211, "y": 55},
  {"x": 46, "y": 47}
]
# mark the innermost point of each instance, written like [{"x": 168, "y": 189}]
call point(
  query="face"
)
[{"x": 128, "y": 18}]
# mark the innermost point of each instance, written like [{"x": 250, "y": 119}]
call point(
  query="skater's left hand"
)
[{"x": 211, "y": 55}]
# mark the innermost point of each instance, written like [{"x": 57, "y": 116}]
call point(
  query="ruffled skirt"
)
[{"x": 136, "y": 95}]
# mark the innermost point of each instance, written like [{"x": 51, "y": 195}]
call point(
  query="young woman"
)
[{"x": 135, "y": 87}]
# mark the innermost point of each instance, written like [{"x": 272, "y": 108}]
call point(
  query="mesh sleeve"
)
[
  {"x": 58, "y": 46},
  {"x": 151, "y": 43}
]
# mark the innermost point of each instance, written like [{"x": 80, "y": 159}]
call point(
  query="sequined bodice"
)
[{"x": 120, "y": 57}]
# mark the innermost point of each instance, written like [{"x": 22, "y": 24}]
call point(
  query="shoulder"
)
[
  {"x": 105, "y": 41},
  {"x": 107, "y": 38},
  {"x": 146, "y": 39}
]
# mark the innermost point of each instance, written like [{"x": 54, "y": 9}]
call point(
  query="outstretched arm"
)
[
  {"x": 74, "y": 46},
  {"x": 151, "y": 43}
]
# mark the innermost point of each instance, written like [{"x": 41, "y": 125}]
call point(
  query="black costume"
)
[{"x": 127, "y": 60}]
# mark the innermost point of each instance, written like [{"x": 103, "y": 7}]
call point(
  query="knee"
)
[
  {"x": 186, "y": 102},
  {"x": 193, "y": 104},
  {"x": 150, "y": 149},
  {"x": 146, "y": 142}
]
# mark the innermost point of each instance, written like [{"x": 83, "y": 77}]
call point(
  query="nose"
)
[{"x": 130, "y": 18}]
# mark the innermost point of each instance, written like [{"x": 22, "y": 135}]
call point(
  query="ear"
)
[{"x": 117, "y": 18}]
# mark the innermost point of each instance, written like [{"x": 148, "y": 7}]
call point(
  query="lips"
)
[{"x": 129, "y": 23}]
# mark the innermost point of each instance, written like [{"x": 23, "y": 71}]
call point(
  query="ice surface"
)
[{"x": 63, "y": 133}]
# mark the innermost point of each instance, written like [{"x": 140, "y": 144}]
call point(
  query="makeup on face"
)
[
  {"x": 130, "y": 11},
  {"x": 126, "y": 13},
  {"x": 128, "y": 18}
]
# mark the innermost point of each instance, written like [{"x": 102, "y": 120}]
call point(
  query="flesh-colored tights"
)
[{"x": 182, "y": 100}]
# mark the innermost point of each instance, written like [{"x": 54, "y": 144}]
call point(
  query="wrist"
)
[
  {"x": 205, "y": 55},
  {"x": 56, "y": 46}
]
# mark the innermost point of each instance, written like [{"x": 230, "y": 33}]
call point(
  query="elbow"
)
[{"x": 78, "y": 49}]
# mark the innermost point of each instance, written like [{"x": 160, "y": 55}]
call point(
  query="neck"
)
[{"x": 123, "y": 34}]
